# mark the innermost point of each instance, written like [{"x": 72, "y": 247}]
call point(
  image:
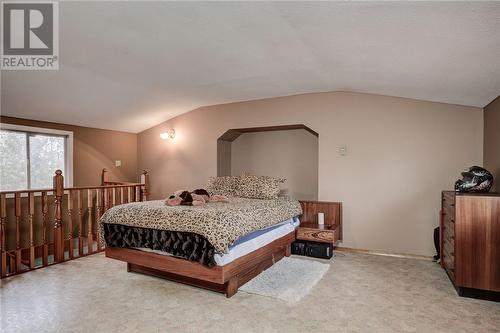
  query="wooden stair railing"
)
[{"x": 28, "y": 241}]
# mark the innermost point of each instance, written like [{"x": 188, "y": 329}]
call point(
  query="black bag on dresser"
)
[{"x": 313, "y": 249}]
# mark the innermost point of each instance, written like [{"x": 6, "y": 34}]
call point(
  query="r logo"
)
[
  {"x": 30, "y": 35},
  {"x": 28, "y": 29}
]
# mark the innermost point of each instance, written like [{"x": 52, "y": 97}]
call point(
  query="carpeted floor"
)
[{"x": 359, "y": 293}]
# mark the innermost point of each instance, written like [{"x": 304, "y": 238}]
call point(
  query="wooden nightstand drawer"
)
[
  {"x": 309, "y": 229},
  {"x": 324, "y": 234}
]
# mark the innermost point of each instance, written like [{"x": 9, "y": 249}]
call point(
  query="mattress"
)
[
  {"x": 255, "y": 240},
  {"x": 248, "y": 243}
]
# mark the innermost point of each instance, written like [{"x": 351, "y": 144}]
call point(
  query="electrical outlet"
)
[{"x": 118, "y": 163}]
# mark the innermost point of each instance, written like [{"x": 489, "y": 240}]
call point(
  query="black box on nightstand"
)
[
  {"x": 313, "y": 249},
  {"x": 299, "y": 247}
]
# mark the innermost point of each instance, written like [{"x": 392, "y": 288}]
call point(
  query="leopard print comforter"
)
[{"x": 221, "y": 223}]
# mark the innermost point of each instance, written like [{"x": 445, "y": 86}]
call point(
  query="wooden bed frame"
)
[{"x": 223, "y": 279}]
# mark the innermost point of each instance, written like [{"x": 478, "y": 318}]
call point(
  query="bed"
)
[{"x": 217, "y": 246}]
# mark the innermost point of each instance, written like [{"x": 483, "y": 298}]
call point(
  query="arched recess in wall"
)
[{"x": 288, "y": 151}]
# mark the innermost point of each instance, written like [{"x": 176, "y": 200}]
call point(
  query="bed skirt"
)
[{"x": 185, "y": 245}]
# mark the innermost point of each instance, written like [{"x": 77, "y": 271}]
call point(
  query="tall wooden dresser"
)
[{"x": 470, "y": 242}]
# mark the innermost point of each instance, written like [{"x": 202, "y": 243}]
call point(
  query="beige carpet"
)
[{"x": 359, "y": 293}]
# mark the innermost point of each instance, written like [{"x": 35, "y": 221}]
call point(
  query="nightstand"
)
[{"x": 309, "y": 229}]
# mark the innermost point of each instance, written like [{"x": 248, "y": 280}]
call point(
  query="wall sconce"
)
[{"x": 169, "y": 134}]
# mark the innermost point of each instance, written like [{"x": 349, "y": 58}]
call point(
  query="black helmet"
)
[{"x": 475, "y": 179}]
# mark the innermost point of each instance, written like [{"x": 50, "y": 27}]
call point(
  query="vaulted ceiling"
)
[{"x": 130, "y": 65}]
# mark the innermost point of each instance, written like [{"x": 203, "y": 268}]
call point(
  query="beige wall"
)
[
  {"x": 224, "y": 158},
  {"x": 291, "y": 154},
  {"x": 492, "y": 140},
  {"x": 401, "y": 154},
  {"x": 94, "y": 149}
]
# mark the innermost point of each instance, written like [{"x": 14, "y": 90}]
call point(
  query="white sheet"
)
[
  {"x": 255, "y": 243},
  {"x": 249, "y": 245}
]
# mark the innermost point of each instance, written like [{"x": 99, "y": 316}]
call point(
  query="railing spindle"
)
[
  {"x": 17, "y": 214},
  {"x": 119, "y": 191},
  {"x": 111, "y": 194},
  {"x": 70, "y": 225},
  {"x": 58, "y": 225},
  {"x": 145, "y": 181},
  {"x": 98, "y": 209},
  {"x": 80, "y": 222},
  {"x": 3, "y": 249},
  {"x": 31, "y": 213},
  {"x": 122, "y": 195},
  {"x": 90, "y": 241},
  {"x": 45, "y": 246},
  {"x": 106, "y": 200}
]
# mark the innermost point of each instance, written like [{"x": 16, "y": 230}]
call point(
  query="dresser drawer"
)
[
  {"x": 448, "y": 259},
  {"x": 451, "y": 272},
  {"x": 448, "y": 204},
  {"x": 449, "y": 234},
  {"x": 316, "y": 235},
  {"x": 449, "y": 214},
  {"x": 449, "y": 247},
  {"x": 449, "y": 227},
  {"x": 448, "y": 199}
]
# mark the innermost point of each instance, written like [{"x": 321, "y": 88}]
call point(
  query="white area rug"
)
[{"x": 290, "y": 279}]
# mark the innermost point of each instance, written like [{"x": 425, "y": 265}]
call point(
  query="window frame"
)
[{"x": 68, "y": 147}]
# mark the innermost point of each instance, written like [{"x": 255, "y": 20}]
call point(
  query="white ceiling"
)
[{"x": 130, "y": 65}]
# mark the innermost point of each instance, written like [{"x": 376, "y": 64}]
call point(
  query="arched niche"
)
[{"x": 289, "y": 151}]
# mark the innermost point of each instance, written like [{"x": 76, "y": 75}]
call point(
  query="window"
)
[{"x": 29, "y": 156}]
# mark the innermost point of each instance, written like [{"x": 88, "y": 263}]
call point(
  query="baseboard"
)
[
  {"x": 487, "y": 295},
  {"x": 381, "y": 253}
]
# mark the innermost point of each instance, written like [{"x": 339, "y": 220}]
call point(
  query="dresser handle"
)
[{"x": 452, "y": 205}]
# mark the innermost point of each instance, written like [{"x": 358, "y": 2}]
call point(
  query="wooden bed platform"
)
[{"x": 223, "y": 279}]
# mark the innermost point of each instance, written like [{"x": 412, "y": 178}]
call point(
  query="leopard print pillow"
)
[
  {"x": 225, "y": 185},
  {"x": 259, "y": 187}
]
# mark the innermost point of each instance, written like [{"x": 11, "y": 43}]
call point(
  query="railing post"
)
[
  {"x": 17, "y": 214},
  {"x": 58, "y": 225},
  {"x": 45, "y": 240},
  {"x": 31, "y": 217},
  {"x": 104, "y": 176},
  {"x": 145, "y": 181},
  {"x": 3, "y": 248}
]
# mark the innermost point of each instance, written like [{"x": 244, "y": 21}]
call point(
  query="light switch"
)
[
  {"x": 342, "y": 150},
  {"x": 118, "y": 163}
]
